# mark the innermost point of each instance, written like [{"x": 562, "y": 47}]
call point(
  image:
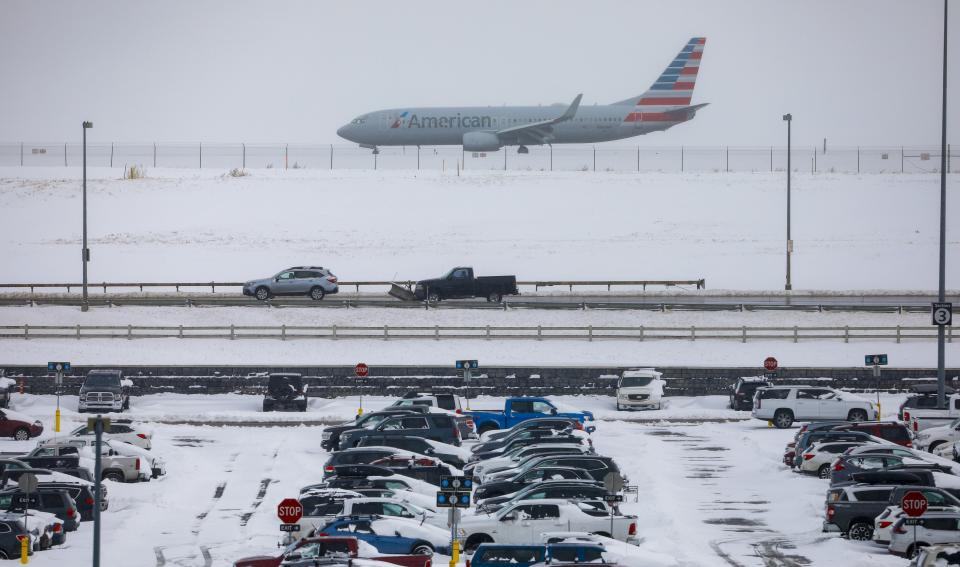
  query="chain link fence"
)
[{"x": 900, "y": 159}]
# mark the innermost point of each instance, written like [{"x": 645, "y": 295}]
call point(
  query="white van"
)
[{"x": 640, "y": 389}]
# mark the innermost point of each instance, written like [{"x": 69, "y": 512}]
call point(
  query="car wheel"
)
[
  {"x": 857, "y": 415},
  {"x": 422, "y": 549},
  {"x": 824, "y": 471},
  {"x": 495, "y": 297},
  {"x": 933, "y": 446},
  {"x": 487, "y": 427},
  {"x": 262, "y": 293},
  {"x": 474, "y": 541},
  {"x": 783, "y": 418},
  {"x": 316, "y": 293},
  {"x": 115, "y": 476},
  {"x": 434, "y": 298},
  {"x": 21, "y": 434},
  {"x": 860, "y": 531}
]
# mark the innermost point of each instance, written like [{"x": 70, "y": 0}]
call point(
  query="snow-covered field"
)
[
  {"x": 711, "y": 494},
  {"x": 850, "y": 231}
]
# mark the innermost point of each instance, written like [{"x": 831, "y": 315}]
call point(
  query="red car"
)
[
  {"x": 329, "y": 545},
  {"x": 19, "y": 426},
  {"x": 892, "y": 431}
]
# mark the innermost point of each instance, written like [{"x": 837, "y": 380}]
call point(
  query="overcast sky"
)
[{"x": 861, "y": 72}]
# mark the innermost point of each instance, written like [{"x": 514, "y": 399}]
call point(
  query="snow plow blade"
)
[{"x": 401, "y": 292}]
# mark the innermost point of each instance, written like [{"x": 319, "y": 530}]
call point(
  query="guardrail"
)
[
  {"x": 489, "y": 332},
  {"x": 537, "y": 284}
]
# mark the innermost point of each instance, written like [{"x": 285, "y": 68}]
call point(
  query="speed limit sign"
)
[{"x": 942, "y": 313}]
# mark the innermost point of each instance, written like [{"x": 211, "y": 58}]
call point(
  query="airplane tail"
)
[{"x": 675, "y": 85}]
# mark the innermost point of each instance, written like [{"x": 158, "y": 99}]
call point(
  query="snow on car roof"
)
[{"x": 11, "y": 414}]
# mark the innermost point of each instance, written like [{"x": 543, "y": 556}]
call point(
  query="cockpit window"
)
[{"x": 359, "y": 120}]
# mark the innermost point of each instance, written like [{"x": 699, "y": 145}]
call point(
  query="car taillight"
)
[
  {"x": 578, "y": 425},
  {"x": 633, "y": 529},
  {"x": 906, "y": 416},
  {"x": 322, "y": 534},
  {"x": 89, "y": 501},
  {"x": 329, "y": 468},
  {"x": 71, "y": 512},
  {"x": 332, "y": 279},
  {"x": 458, "y": 410},
  {"x": 456, "y": 432},
  {"x": 838, "y": 466},
  {"x": 22, "y": 537},
  {"x": 899, "y": 529},
  {"x": 759, "y": 403},
  {"x": 807, "y": 456},
  {"x": 830, "y": 512},
  {"x": 141, "y": 436},
  {"x": 57, "y": 528},
  {"x": 909, "y": 445},
  {"x": 916, "y": 427},
  {"x": 884, "y": 524},
  {"x": 468, "y": 563},
  {"x": 137, "y": 465}
]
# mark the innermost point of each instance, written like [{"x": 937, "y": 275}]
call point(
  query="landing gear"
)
[{"x": 523, "y": 150}]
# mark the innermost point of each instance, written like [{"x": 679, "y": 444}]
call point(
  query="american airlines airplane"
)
[{"x": 489, "y": 128}]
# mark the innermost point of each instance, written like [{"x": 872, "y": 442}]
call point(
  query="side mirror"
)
[
  {"x": 292, "y": 557},
  {"x": 397, "y": 533},
  {"x": 429, "y": 451},
  {"x": 509, "y": 518},
  {"x": 276, "y": 279},
  {"x": 553, "y": 411}
]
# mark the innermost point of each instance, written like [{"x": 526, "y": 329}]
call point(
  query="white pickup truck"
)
[
  {"x": 931, "y": 438},
  {"x": 114, "y": 463},
  {"x": 920, "y": 419},
  {"x": 523, "y": 522}
]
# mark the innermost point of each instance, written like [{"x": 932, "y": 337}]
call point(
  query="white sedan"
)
[{"x": 818, "y": 458}]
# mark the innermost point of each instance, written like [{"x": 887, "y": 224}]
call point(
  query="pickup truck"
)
[
  {"x": 458, "y": 283},
  {"x": 331, "y": 546},
  {"x": 920, "y": 418},
  {"x": 113, "y": 465},
  {"x": 518, "y": 410}
]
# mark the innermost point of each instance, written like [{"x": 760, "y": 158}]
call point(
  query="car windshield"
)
[
  {"x": 102, "y": 380},
  {"x": 635, "y": 381}
]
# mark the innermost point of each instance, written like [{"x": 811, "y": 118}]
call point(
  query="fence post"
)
[
  {"x": 771, "y": 159},
  {"x": 594, "y": 158},
  {"x": 814, "y": 159},
  {"x": 728, "y": 159},
  {"x": 386, "y": 333},
  {"x": 488, "y": 332},
  {"x": 111, "y": 154},
  {"x": 744, "y": 331},
  {"x": 638, "y": 159},
  {"x": 898, "y": 333},
  {"x": 681, "y": 159},
  {"x": 78, "y": 332},
  {"x": 64, "y": 155},
  {"x": 334, "y": 332},
  {"x": 436, "y": 332},
  {"x": 901, "y": 159},
  {"x": 233, "y": 334},
  {"x": 846, "y": 334},
  {"x": 505, "y": 158},
  {"x": 858, "y": 159},
  {"x": 641, "y": 333},
  {"x": 331, "y": 156},
  {"x": 21, "y": 154},
  {"x": 539, "y": 333},
  {"x": 154, "y": 154},
  {"x": 283, "y": 332},
  {"x": 795, "y": 333},
  {"x": 551, "y": 157},
  {"x": 590, "y": 332},
  {"x": 693, "y": 333},
  {"x": 244, "y": 155},
  {"x": 286, "y": 156},
  {"x": 129, "y": 332},
  {"x": 201, "y": 155},
  {"x": 26, "y": 332},
  {"x": 180, "y": 334}
]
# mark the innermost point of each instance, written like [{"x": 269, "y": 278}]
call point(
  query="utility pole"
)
[
  {"x": 789, "y": 119},
  {"x": 98, "y": 426},
  {"x": 84, "y": 306},
  {"x": 941, "y": 372}
]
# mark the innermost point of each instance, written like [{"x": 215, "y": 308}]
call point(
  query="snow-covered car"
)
[
  {"x": 640, "y": 389},
  {"x": 932, "y": 437},
  {"x": 386, "y": 507},
  {"x": 392, "y": 534},
  {"x": 819, "y": 457},
  {"x": 937, "y": 556},
  {"x": 122, "y": 430},
  {"x": 45, "y": 529},
  {"x": 18, "y": 425},
  {"x": 523, "y": 522},
  {"x": 883, "y": 524},
  {"x": 514, "y": 457},
  {"x": 782, "y": 405},
  {"x": 932, "y": 528},
  {"x": 404, "y": 488},
  {"x": 119, "y": 461}
]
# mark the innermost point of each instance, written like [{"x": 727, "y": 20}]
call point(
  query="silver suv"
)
[{"x": 312, "y": 281}]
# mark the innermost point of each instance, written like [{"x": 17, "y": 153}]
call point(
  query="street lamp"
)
[
  {"x": 941, "y": 371},
  {"x": 788, "y": 118},
  {"x": 84, "y": 306}
]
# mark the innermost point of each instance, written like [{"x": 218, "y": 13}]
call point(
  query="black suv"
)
[
  {"x": 285, "y": 391},
  {"x": 414, "y": 445},
  {"x": 10, "y": 533},
  {"x": 56, "y": 501},
  {"x": 741, "y": 396},
  {"x": 437, "y": 426},
  {"x": 330, "y": 439}
]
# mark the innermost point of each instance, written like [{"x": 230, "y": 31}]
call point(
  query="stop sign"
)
[
  {"x": 770, "y": 364},
  {"x": 914, "y": 503},
  {"x": 289, "y": 510},
  {"x": 361, "y": 370}
]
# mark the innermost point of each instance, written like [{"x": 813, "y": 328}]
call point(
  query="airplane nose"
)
[{"x": 343, "y": 132}]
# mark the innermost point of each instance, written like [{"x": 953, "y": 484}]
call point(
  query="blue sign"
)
[
  {"x": 875, "y": 359},
  {"x": 464, "y": 364},
  {"x": 58, "y": 366}
]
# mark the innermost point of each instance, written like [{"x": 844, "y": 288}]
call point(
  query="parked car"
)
[
  {"x": 818, "y": 457},
  {"x": 824, "y": 436},
  {"x": 549, "y": 423},
  {"x": 921, "y": 418},
  {"x": 518, "y": 410},
  {"x": 5, "y": 385},
  {"x": 12, "y": 533},
  {"x": 122, "y": 430},
  {"x": 316, "y": 282},
  {"x": 741, "y": 394},
  {"x": 521, "y": 480},
  {"x": 497, "y": 555},
  {"x": 851, "y": 510},
  {"x": 783, "y": 405},
  {"x": 522, "y": 523},
  {"x": 451, "y": 402},
  {"x": 19, "y": 426},
  {"x": 512, "y": 459},
  {"x": 392, "y": 535},
  {"x": 450, "y": 454},
  {"x": 892, "y": 431},
  {"x": 120, "y": 462},
  {"x": 356, "y": 456},
  {"x": 330, "y": 438},
  {"x": 598, "y": 466},
  {"x": 576, "y": 490},
  {"x": 937, "y": 499},
  {"x": 459, "y": 283},
  {"x": 535, "y": 438},
  {"x": 932, "y": 528},
  {"x": 437, "y": 426},
  {"x": 937, "y": 556},
  {"x": 932, "y": 437},
  {"x": 385, "y": 507},
  {"x": 104, "y": 391},
  {"x": 317, "y": 547},
  {"x": 285, "y": 391},
  {"x": 56, "y": 501},
  {"x": 923, "y": 396},
  {"x": 640, "y": 389}
]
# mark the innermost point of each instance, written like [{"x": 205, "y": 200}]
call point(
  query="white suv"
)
[
  {"x": 640, "y": 389},
  {"x": 783, "y": 405},
  {"x": 930, "y": 529}
]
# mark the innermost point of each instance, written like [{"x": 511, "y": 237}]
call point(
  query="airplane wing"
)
[{"x": 539, "y": 130}]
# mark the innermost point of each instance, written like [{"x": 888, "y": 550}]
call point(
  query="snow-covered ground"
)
[
  {"x": 850, "y": 231},
  {"x": 711, "y": 494},
  {"x": 495, "y": 352}
]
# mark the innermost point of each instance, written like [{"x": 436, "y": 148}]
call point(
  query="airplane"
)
[{"x": 488, "y": 128}]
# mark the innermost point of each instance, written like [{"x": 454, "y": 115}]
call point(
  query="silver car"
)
[{"x": 315, "y": 282}]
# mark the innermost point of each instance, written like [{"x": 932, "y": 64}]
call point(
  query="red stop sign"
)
[
  {"x": 914, "y": 503},
  {"x": 289, "y": 510},
  {"x": 770, "y": 364},
  {"x": 361, "y": 370}
]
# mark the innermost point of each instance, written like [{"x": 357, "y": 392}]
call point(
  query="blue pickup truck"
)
[
  {"x": 518, "y": 410},
  {"x": 494, "y": 555}
]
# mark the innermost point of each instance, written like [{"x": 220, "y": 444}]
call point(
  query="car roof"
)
[{"x": 306, "y": 268}]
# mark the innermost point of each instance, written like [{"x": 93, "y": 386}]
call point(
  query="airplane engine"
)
[{"x": 481, "y": 142}]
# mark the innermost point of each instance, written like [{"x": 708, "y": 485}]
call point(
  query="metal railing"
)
[
  {"x": 536, "y": 284},
  {"x": 567, "y": 157},
  {"x": 489, "y": 332}
]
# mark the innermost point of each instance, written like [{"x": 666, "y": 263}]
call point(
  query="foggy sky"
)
[{"x": 858, "y": 72}]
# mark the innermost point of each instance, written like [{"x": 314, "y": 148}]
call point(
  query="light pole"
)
[
  {"x": 788, "y": 118},
  {"x": 86, "y": 251},
  {"x": 941, "y": 372}
]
